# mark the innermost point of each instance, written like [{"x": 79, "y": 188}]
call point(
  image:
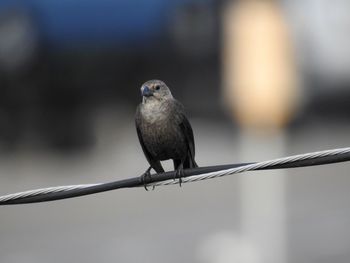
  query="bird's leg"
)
[
  {"x": 180, "y": 173},
  {"x": 146, "y": 174}
]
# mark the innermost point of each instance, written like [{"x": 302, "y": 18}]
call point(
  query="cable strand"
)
[{"x": 190, "y": 175}]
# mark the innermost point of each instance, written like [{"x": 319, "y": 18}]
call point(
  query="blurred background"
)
[{"x": 260, "y": 79}]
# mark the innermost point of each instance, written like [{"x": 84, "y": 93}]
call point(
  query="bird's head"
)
[{"x": 155, "y": 90}]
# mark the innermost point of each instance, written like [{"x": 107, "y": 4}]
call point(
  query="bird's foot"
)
[
  {"x": 179, "y": 174},
  {"x": 146, "y": 175}
]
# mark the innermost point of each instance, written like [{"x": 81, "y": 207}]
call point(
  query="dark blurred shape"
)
[
  {"x": 193, "y": 29},
  {"x": 18, "y": 55},
  {"x": 18, "y": 40},
  {"x": 62, "y": 60}
]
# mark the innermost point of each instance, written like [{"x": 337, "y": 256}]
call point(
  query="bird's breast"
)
[
  {"x": 153, "y": 116},
  {"x": 162, "y": 136}
]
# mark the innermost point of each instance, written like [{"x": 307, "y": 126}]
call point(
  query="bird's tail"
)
[
  {"x": 194, "y": 164},
  {"x": 190, "y": 162}
]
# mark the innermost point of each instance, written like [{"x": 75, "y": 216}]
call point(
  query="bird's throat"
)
[{"x": 153, "y": 111}]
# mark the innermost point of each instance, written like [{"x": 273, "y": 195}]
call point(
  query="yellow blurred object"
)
[{"x": 260, "y": 78}]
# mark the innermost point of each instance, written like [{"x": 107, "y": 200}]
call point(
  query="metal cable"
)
[
  {"x": 190, "y": 175},
  {"x": 256, "y": 166},
  {"x": 43, "y": 191}
]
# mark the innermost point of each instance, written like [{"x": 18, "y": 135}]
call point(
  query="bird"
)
[{"x": 163, "y": 130}]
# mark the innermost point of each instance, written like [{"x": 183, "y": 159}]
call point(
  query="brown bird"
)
[{"x": 163, "y": 129}]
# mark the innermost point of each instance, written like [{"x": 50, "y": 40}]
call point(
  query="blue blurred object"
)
[{"x": 90, "y": 22}]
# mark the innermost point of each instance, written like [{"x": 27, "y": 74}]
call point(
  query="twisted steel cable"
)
[
  {"x": 257, "y": 166},
  {"x": 190, "y": 175}
]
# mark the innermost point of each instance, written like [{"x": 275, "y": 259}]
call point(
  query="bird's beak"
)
[{"x": 146, "y": 92}]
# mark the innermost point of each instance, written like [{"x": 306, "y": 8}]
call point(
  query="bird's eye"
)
[{"x": 157, "y": 87}]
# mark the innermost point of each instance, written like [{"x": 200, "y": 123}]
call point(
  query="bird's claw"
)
[
  {"x": 146, "y": 174},
  {"x": 179, "y": 174}
]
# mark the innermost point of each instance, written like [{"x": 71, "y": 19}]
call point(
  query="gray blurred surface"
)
[{"x": 199, "y": 222}]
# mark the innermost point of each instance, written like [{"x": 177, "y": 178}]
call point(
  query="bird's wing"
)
[
  {"x": 188, "y": 133},
  {"x": 186, "y": 130},
  {"x": 139, "y": 134}
]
